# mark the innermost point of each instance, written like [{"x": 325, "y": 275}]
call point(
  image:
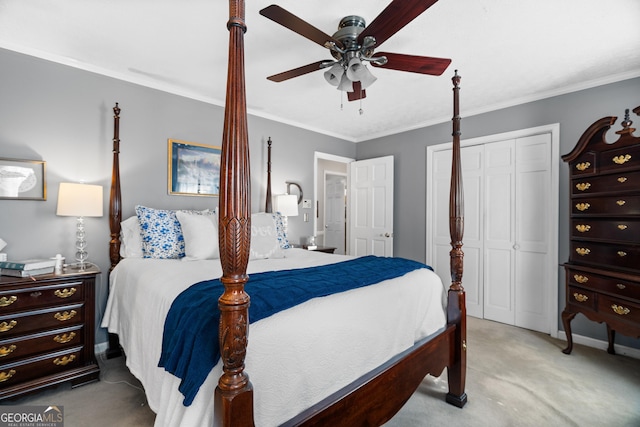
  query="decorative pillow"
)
[
  {"x": 161, "y": 234},
  {"x": 280, "y": 230},
  {"x": 200, "y": 234},
  {"x": 264, "y": 237},
  {"x": 130, "y": 238}
]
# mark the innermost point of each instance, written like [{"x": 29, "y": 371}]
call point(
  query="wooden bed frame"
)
[{"x": 375, "y": 397}]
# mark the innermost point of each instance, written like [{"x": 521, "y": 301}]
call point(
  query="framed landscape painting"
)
[{"x": 194, "y": 169}]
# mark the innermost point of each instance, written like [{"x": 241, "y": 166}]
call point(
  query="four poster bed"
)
[{"x": 349, "y": 358}]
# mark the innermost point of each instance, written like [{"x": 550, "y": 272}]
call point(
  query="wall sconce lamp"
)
[
  {"x": 300, "y": 195},
  {"x": 80, "y": 200}
]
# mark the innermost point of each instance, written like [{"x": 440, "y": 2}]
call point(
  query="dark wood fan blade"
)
[
  {"x": 358, "y": 92},
  {"x": 414, "y": 64},
  {"x": 305, "y": 69},
  {"x": 297, "y": 25},
  {"x": 395, "y": 16}
]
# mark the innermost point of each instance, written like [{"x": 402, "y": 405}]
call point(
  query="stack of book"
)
[{"x": 27, "y": 268}]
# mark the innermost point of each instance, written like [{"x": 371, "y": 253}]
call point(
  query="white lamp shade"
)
[
  {"x": 357, "y": 72},
  {"x": 286, "y": 204},
  {"x": 333, "y": 74},
  {"x": 345, "y": 85},
  {"x": 79, "y": 200}
]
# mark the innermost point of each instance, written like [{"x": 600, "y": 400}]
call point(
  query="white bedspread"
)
[{"x": 294, "y": 358}]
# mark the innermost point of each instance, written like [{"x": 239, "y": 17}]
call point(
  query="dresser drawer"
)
[
  {"x": 621, "y": 310},
  {"x": 606, "y": 229},
  {"x": 613, "y": 183},
  {"x": 619, "y": 159},
  {"x": 581, "y": 297},
  {"x": 35, "y": 367},
  {"x": 43, "y": 342},
  {"x": 621, "y": 205},
  {"x": 586, "y": 164},
  {"x": 27, "y": 297},
  {"x": 619, "y": 256},
  {"x": 38, "y": 320},
  {"x": 611, "y": 285}
]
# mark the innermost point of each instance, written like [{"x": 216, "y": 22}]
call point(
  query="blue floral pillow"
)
[
  {"x": 161, "y": 233},
  {"x": 281, "y": 233}
]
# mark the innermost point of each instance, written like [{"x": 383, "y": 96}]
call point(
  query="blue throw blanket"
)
[{"x": 190, "y": 346}]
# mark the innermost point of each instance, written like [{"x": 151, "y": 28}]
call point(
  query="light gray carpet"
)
[{"x": 515, "y": 378}]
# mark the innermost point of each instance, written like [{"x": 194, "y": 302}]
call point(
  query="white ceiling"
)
[{"x": 507, "y": 52}]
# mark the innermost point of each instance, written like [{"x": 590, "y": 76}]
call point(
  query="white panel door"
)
[
  {"x": 499, "y": 271},
  {"x": 532, "y": 239},
  {"x": 371, "y": 207},
  {"x": 335, "y": 212}
]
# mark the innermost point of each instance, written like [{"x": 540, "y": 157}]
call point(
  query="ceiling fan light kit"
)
[{"x": 354, "y": 43}]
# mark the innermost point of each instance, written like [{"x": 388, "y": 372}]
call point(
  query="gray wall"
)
[
  {"x": 64, "y": 116},
  {"x": 574, "y": 111}
]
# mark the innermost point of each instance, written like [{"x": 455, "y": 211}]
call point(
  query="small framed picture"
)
[
  {"x": 22, "y": 179},
  {"x": 194, "y": 169}
]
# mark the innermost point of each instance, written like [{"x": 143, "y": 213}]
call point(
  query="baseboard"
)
[
  {"x": 101, "y": 347},
  {"x": 602, "y": 345}
]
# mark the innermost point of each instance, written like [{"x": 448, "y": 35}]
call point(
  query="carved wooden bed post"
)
[
  {"x": 233, "y": 399},
  {"x": 268, "y": 205},
  {"x": 115, "y": 198},
  {"x": 456, "y": 311}
]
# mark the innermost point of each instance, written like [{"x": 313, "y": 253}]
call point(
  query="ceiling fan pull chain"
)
[{"x": 361, "y": 111}]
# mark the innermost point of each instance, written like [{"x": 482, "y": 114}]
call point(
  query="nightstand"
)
[
  {"x": 325, "y": 249},
  {"x": 47, "y": 326}
]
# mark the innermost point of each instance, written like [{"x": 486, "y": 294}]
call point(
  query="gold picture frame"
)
[
  {"x": 22, "y": 179},
  {"x": 194, "y": 169}
]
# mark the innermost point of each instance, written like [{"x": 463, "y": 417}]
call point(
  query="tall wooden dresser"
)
[
  {"x": 603, "y": 272},
  {"x": 47, "y": 331}
]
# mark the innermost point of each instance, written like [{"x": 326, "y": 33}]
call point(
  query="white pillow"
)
[
  {"x": 264, "y": 237},
  {"x": 200, "y": 234},
  {"x": 130, "y": 238}
]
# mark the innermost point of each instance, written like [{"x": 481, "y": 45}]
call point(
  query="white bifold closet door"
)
[{"x": 507, "y": 244}]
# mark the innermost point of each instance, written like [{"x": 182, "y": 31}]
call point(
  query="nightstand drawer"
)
[
  {"x": 620, "y": 309},
  {"x": 25, "y": 298},
  {"x": 31, "y": 321},
  {"x": 43, "y": 342},
  {"x": 581, "y": 297},
  {"x": 36, "y": 367}
]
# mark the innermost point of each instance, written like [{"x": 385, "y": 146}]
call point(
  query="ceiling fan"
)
[{"x": 354, "y": 44}]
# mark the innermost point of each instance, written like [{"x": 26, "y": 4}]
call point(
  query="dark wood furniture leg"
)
[
  {"x": 611, "y": 337},
  {"x": 567, "y": 317}
]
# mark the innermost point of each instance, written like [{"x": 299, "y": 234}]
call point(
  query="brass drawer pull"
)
[
  {"x": 583, "y": 206},
  {"x": 618, "y": 309},
  {"x": 6, "y": 375},
  {"x": 622, "y": 179},
  {"x": 4, "y": 326},
  {"x": 580, "y": 279},
  {"x": 4, "y": 301},
  {"x": 622, "y": 227},
  {"x": 582, "y": 186},
  {"x": 580, "y": 297},
  {"x": 65, "y": 316},
  {"x": 64, "y": 338},
  {"x": 62, "y": 361},
  {"x": 583, "y": 228},
  {"x": 620, "y": 160},
  {"x": 65, "y": 293},
  {"x": 583, "y": 251},
  {"x": 5, "y": 351},
  {"x": 621, "y": 202},
  {"x": 583, "y": 166},
  {"x": 622, "y": 253},
  {"x": 620, "y": 286}
]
